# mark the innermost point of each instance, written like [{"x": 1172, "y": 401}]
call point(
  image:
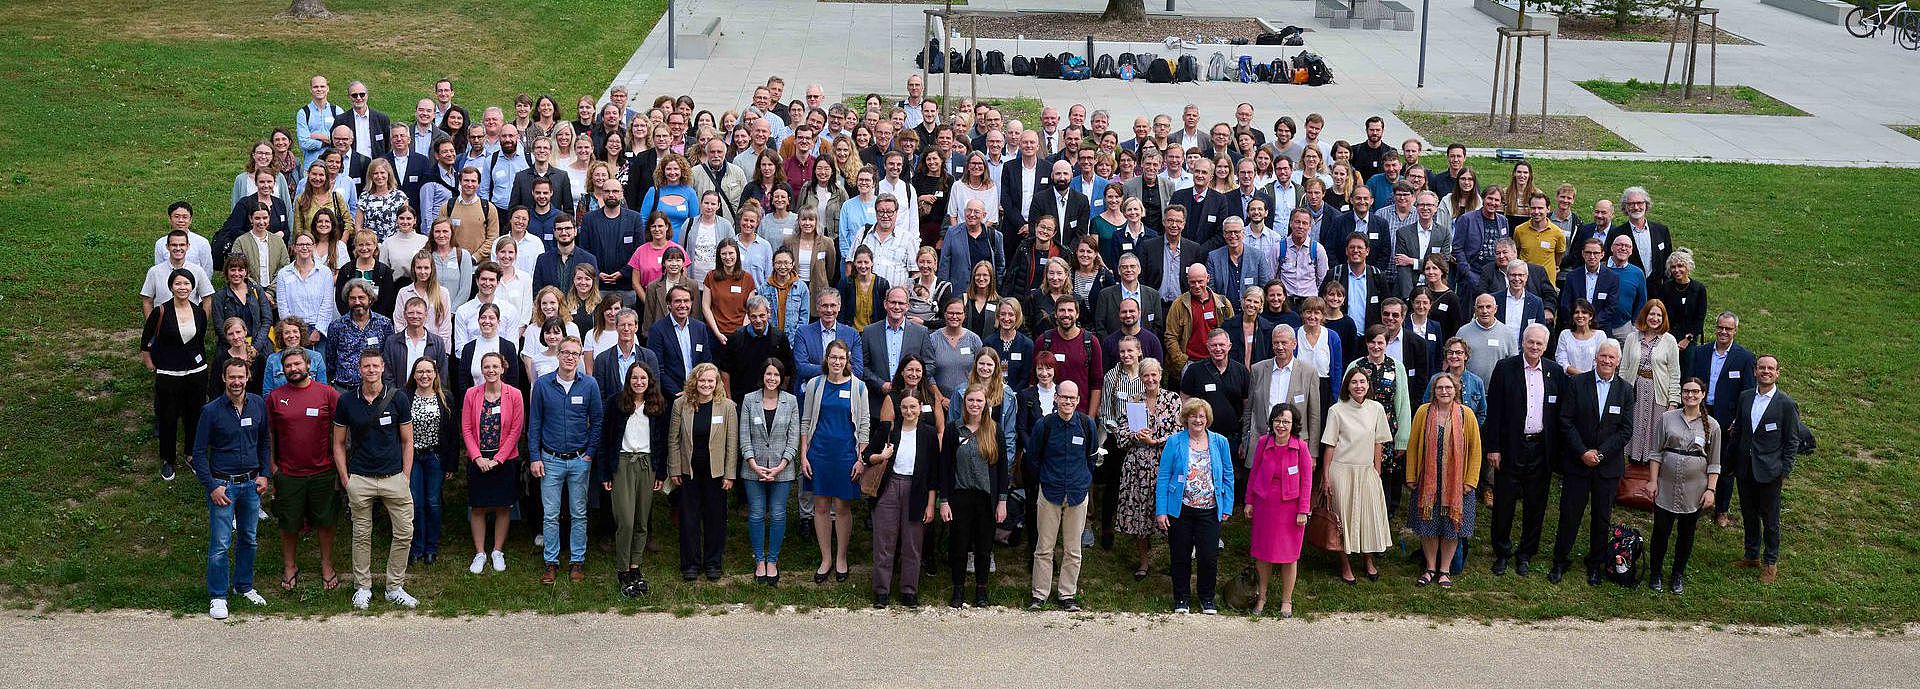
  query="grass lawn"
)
[
  {"x": 1564, "y": 132},
  {"x": 1646, "y": 96},
  {"x": 1912, "y": 130},
  {"x": 1026, "y": 109},
  {"x": 182, "y": 89}
]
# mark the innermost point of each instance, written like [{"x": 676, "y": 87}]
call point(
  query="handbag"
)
[
  {"x": 1323, "y": 527},
  {"x": 875, "y": 474},
  {"x": 1636, "y": 487}
]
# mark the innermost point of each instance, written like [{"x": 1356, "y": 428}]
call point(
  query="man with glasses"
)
[
  {"x": 1063, "y": 454},
  {"x": 1652, "y": 243},
  {"x": 369, "y": 126},
  {"x": 563, "y": 426},
  {"x": 1413, "y": 243}
]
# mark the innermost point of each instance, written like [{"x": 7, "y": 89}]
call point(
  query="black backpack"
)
[
  {"x": 1280, "y": 71},
  {"x": 996, "y": 63},
  {"x": 975, "y": 61},
  {"x": 1624, "y": 547},
  {"x": 1104, "y": 68},
  {"x": 1022, "y": 67},
  {"x": 1291, "y": 35},
  {"x": 1128, "y": 59},
  {"x": 1159, "y": 72},
  {"x": 1318, "y": 73},
  {"x": 1187, "y": 69},
  {"x": 1047, "y": 67},
  {"x": 1262, "y": 72},
  {"x": 939, "y": 57}
]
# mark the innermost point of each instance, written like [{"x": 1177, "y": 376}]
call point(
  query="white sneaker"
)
[
  {"x": 253, "y": 596},
  {"x": 993, "y": 566},
  {"x": 361, "y": 598},
  {"x": 539, "y": 541},
  {"x": 398, "y": 596},
  {"x": 499, "y": 561},
  {"x": 479, "y": 563},
  {"x": 217, "y": 609}
]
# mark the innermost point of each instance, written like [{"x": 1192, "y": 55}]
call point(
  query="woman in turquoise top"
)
[
  {"x": 671, "y": 194},
  {"x": 1108, "y": 222}
]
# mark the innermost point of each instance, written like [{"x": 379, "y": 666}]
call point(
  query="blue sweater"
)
[
  {"x": 563, "y": 420},
  {"x": 1062, "y": 456},
  {"x": 1633, "y": 291}
]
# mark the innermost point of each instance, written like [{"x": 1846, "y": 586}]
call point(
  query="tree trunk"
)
[
  {"x": 1125, "y": 11},
  {"x": 308, "y": 9}
]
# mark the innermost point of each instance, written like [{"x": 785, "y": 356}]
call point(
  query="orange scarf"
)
[{"x": 1445, "y": 484}]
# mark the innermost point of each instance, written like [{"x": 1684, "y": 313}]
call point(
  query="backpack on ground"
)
[
  {"x": 939, "y": 63},
  {"x": 1244, "y": 73},
  {"x": 1047, "y": 67},
  {"x": 996, "y": 63},
  {"x": 1159, "y": 72},
  {"x": 1022, "y": 67},
  {"x": 1217, "y": 67},
  {"x": 1105, "y": 68},
  {"x": 1187, "y": 69},
  {"x": 1262, "y": 72},
  {"x": 1280, "y": 71},
  {"x": 1624, "y": 547},
  {"x": 1127, "y": 59},
  {"x": 1317, "y": 71},
  {"x": 975, "y": 61},
  {"x": 1074, "y": 68}
]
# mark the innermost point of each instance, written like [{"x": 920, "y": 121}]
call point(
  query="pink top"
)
[
  {"x": 646, "y": 261},
  {"x": 1281, "y": 472},
  {"x": 513, "y": 420}
]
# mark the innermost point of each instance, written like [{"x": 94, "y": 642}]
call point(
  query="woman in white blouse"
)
[
  {"x": 974, "y": 185},
  {"x": 515, "y": 292},
  {"x": 1579, "y": 343},
  {"x": 426, "y": 286}
]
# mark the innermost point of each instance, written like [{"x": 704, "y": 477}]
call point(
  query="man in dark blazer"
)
[
  {"x": 1728, "y": 369},
  {"x": 1595, "y": 421},
  {"x": 1356, "y": 270},
  {"x": 1205, "y": 208},
  {"x": 876, "y": 368},
  {"x": 663, "y": 338},
  {"x": 542, "y": 168},
  {"x": 1153, "y": 254},
  {"x": 353, "y": 164},
  {"x": 1594, "y": 283},
  {"x": 378, "y": 126},
  {"x": 1493, "y": 277},
  {"x": 1106, "y": 305},
  {"x": 1067, "y": 205},
  {"x": 1532, "y": 309},
  {"x": 1338, "y": 225},
  {"x": 1634, "y": 203},
  {"x": 611, "y": 364},
  {"x": 1602, "y": 222},
  {"x": 410, "y": 168},
  {"x": 1765, "y": 438},
  {"x": 1244, "y": 192},
  {"x": 1523, "y": 415},
  {"x": 1408, "y": 348},
  {"x": 1438, "y": 240},
  {"x": 413, "y": 328},
  {"x": 1022, "y": 179}
]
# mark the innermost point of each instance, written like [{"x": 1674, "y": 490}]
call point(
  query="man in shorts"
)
[{"x": 305, "y": 488}]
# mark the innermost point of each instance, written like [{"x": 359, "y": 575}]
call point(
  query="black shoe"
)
[
  {"x": 1180, "y": 607},
  {"x": 1036, "y": 603},
  {"x": 958, "y": 600},
  {"x": 1069, "y": 604},
  {"x": 880, "y": 601},
  {"x": 1522, "y": 567},
  {"x": 910, "y": 600},
  {"x": 821, "y": 577},
  {"x": 841, "y": 577},
  {"x": 166, "y": 471},
  {"x": 1656, "y": 585},
  {"x": 1106, "y": 540},
  {"x": 1499, "y": 566},
  {"x": 1556, "y": 573},
  {"x": 1678, "y": 585},
  {"x": 980, "y": 598},
  {"x": 689, "y": 574},
  {"x": 713, "y": 574},
  {"x": 1594, "y": 578},
  {"x": 430, "y": 558}
]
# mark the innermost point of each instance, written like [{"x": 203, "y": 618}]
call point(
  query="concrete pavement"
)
[
  {"x": 1851, "y": 87},
  {"x": 742, "y": 648}
]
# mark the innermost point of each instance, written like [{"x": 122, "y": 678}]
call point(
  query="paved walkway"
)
[
  {"x": 1852, "y": 87},
  {"x": 969, "y": 649}
]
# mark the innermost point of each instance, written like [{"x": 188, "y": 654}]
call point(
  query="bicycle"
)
[
  {"x": 1864, "y": 24},
  {"x": 1907, "y": 32}
]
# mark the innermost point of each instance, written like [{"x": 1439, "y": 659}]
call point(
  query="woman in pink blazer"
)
[
  {"x": 492, "y": 421},
  {"x": 1279, "y": 491}
]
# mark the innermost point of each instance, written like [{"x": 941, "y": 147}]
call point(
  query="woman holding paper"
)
[{"x": 1148, "y": 421}]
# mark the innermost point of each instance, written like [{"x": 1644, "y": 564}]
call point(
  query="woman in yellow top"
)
[
  {"x": 1356, "y": 437},
  {"x": 1443, "y": 467}
]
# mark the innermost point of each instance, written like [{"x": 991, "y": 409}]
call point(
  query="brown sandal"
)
[
  {"x": 330, "y": 582},
  {"x": 290, "y": 580}
]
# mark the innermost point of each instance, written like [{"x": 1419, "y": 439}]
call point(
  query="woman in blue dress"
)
[{"x": 833, "y": 425}]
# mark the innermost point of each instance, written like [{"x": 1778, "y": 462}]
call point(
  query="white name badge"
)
[
  {"x": 379, "y": 137},
  {"x": 1772, "y": 427},
  {"x": 1733, "y": 374},
  {"x": 1059, "y": 357},
  {"x": 386, "y": 420},
  {"x": 1126, "y": 246},
  {"x": 926, "y": 409},
  {"x": 1299, "y": 399},
  {"x": 1373, "y": 235},
  {"x": 968, "y": 351},
  {"x": 1150, "y": 317},
  {"x": 1014, "y": 356},
  {"x": 1613, "y": 409},
  {"x": 681, "y": 208},
  {"x": 456, "y": 222},
  {"x": 1443, "y": 307},
  {"x": 1208, "y": 315},
  {"x": 1546, "y": 245},
  {"x": 1246, "y": 281},
  {"x": 1072, "y": 224},
  {"x": 1661, "y": 246},
  {"x": 1043, "y": 260},
  {"x": 1433, "y": 337},
  {"x": 846, "y": 394},
  {"x": 373, "y": 340},
  {"x": 313, "y": 412},
  {"x": 718, "y": 420},
  {"x": 1212, "y": 387},
  {"x": 1077, "y": 440},
  {"x": 577, "y": 399},
  {"x": 548, "y": 236},
  {"x": 1293, "y": 470},
  {"x": 246, "y": 421},
  {"x": 1600, "y": 295},
  {"x": 735, "y": 289},
  {"x": 699, "y": 348},
  {"x": 1699, "y": 440},
  {"x": 198, "y": 358},
  {"x": 1386, "y": 377},
  {"x": 1375, "y": 299},
  {"x": 626, "y": 240},
  {"x": 1493, "y": 342},
  {"x": 1553, "y": 399},
  {"x": 1213, "y": 218},
  {"x": 822, "y": 255},
  {"x": 993, "y": 307},
  {"x": 1120, "y": 395}
]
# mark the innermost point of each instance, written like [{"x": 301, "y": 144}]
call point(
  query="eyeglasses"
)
[
  {"x": 564, "y": 352},
  {"x": 362, "y": 94}
]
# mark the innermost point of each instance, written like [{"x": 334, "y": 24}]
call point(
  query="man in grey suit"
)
[
  {"x": 885, "y": 343},
  {"x": 1283, "y": 379},
  {"x": 1149, "y": 182},
  {"x": 1765, "y": 438},
  {"x": 1425, "y": 237}
]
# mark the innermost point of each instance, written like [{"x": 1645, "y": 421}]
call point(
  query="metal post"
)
[
  {"x": 1422, "y": 81},
  {"x": 1499, "y": 50},
  {"x": 1544, "y": 43},
  {"x": 1169, "y": 5},
  {"x": 670, "y": 33},
  {"x": 1713, "y": 59}
]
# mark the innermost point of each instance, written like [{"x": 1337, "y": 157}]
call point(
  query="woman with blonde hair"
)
[
  {"x": 1192, "y": 497},
  {"x": 703, "y": 451},
  {"x": 381, "y": 200},
  {"x": 1443, "y": 468},
  {"x": 817, "y": 257},
  {"x": 425, "y": 276}
]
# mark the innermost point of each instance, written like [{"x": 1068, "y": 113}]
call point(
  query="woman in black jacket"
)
[
  {"x": 631, "y": 469},
  {"x": 173, "y": 345},
  {"x": 903, "y": 499}
]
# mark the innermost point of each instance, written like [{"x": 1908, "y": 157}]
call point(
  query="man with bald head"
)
[
  {"x": 1523, "y": 411},
  {"x": 1062, "y": 201},
  {"x": 1488, "y": 339},
  {"x": 1062, "y": 454},
  {"x": 1023, "y": 181},
  {"x": 1197, "y": 311},
  {"x": 1595, "y": 422}
]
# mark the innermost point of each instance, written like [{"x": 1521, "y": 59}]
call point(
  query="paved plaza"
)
[{"x": 1851, "y": 87}]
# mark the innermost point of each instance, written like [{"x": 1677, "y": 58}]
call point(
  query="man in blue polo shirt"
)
[
  {"x": 563, "y": 424},
  {"x": 1062, "y": 456},
  {"x": 230, "y": 458}
]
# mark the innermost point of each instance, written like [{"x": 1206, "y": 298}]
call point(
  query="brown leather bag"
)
[
  {"x": 1636, "y": 487},
  {"x": 1323, "y": 526}
]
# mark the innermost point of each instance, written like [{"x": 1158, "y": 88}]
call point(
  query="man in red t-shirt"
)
[
  {"x": 305, "y": 488},
  {"x": 1074, "y": 353}
]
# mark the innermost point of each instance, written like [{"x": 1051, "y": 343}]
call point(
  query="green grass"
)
[
  {"x": 176, "y": 97},
  {"x": 1565, "y": 132},
  {"x": 1026, "y": 109},
  {"x": 1646, "y": 96},
  {"x": 1911, "y": 130}
]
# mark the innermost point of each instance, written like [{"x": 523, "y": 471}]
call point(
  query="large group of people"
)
[{"x": 946, "y": 327}]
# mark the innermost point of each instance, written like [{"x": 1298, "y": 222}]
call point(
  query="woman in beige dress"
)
[{"x": 1357, "y": 432}]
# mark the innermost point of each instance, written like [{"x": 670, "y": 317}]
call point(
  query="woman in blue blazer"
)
[{"x": 1193, "y": 497}]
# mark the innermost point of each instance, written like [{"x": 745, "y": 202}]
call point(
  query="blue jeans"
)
[
  {"x": 229, "y": 546},
  {"x": 570, "y": 474},
  {"x": 427, "y": 479},
  {"x": 762, "y": 495}
]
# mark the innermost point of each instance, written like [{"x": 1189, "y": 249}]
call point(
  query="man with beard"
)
[
  {"x": 358, "y": 329},
  {"x": 306, "y": 491}
]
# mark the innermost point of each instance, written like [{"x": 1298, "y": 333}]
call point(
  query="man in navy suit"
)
[
  {"x": 1595, "y": 421},
  {"x": 1765, "y": 438},
  {"x": 1517, "y": 307},
  {"x": 1602, "y": 222},
  {"x": 679, "y": 341},
  {"x": 810, "y": 341},
  {"x": 410, "y": 168},
  {"x": 1593, "y": 283},
  {"x": 1022, "y": 182},
  {"x": 1205, "y": 208},
  {"x": 1728, "y": 370},
  {"x": 1523, "y": 412}
]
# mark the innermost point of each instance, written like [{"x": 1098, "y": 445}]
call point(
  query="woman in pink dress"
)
[{"x": 1278, "y": 492}]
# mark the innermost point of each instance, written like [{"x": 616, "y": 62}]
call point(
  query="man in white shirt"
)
[
  {"x": 155, "y": 289},
  {"x": 199, "y": 250},
  {"x": 466, "y": 318}
]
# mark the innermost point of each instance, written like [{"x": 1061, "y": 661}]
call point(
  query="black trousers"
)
[
  {"x": 1724, "y": 490},
  {"x": 1522, "y": 482},
  {"x": 1194, "y": 530},
  {"x": 1393, "y": 476},
  {"x": 1576, "y": 492},
  {"x": 1760, "y": 515},
  {"x": 703, "y": 523},
  {"x": 176, "y": 404},
  {"x": 1663, "y": 523},
  {"x": 971, "y": 531}
]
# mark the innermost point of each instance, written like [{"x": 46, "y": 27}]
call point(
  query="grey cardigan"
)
[
  {"x": 769, "y": 446},
  {"x": 862, "y": 415}
]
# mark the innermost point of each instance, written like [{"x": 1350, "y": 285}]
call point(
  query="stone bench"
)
[
  {"x": 1508, "y": 15},
  {"x": 1827, "y": 11},
  {"x": 695, "y": 38},
  {"x": 1367, "y": 15}
]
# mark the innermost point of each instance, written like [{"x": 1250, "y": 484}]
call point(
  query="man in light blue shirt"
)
[
  {"x": 313, "y": 123},
  {"x": 502, "y": 166}
]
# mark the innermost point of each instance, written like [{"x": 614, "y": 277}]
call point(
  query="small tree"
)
[
  {"x": 308, "y": 9},
  {"x": 1121, "y": 11}
]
